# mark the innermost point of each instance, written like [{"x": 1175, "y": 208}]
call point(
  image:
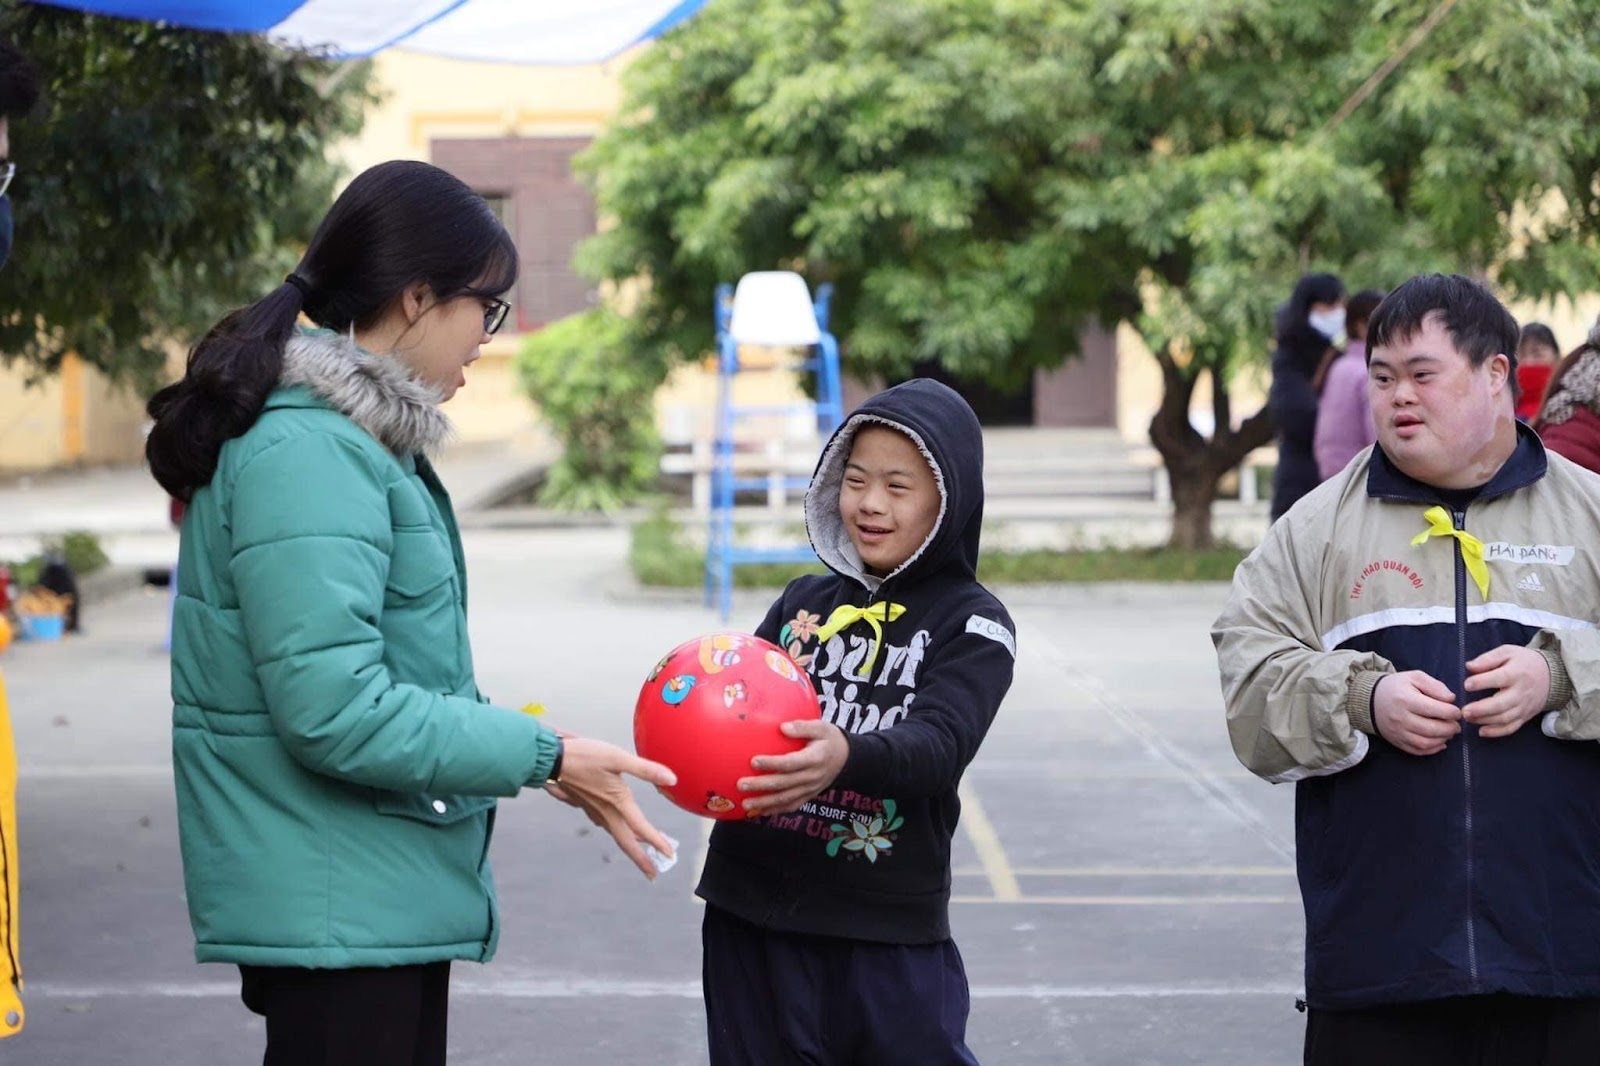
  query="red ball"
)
[{"x": 712, "y": 705}]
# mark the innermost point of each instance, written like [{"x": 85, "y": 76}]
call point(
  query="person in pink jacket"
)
[{"x": 1344, "y": 416}]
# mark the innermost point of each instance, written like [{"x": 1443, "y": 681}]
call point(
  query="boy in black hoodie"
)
[{"x": 827, "y": 927}]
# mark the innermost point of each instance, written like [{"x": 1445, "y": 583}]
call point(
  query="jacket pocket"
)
[
  {"x": 419, "y": 564},
  {"x": 434, "y": 810}
]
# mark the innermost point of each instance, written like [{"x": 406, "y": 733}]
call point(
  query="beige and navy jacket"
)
[{"x": 1476, "y": 870}]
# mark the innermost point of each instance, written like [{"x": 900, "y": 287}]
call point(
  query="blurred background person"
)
[
  {"x": 1569, "y": 423},
  {"x": 1537, "y": 356},
  {"x": 19, "y": 91},
  {"x": 1344, "y": 414},
  {"x": 1306, "y": 328}
]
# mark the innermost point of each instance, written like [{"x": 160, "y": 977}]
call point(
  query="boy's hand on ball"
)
[
  {"x": 592, "y": 778},
  {"x": 790, "y": 780}
]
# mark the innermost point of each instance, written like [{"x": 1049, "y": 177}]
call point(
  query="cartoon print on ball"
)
[
  {"x": 677, "y": 689},
  {"x": 735, "y": 693},
  {"x": 719, "y": 652},
  {"x": 660, "y": 666},
  {"x": 781, "y": 665},
  {"x": 718, "y": 804}
]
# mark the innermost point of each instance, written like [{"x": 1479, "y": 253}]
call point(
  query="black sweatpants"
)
[
  {"x": 1497, "y": 1030},
  {"x": 369, "y": 1016},
  {"x": 785, "y": 999}
]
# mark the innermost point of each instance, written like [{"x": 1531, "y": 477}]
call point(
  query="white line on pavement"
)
[
  {"x": 1135, "y": 871},
  {"x": 601, "y": 989},
  {"x": 1130, "y": 901},
  {"x": 141, "y": 771}
]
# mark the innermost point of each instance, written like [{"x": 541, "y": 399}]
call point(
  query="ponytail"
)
[{"x": 223, "y": 389}]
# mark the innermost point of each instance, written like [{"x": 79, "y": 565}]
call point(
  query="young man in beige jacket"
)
[{"x": 1414, "y": 645}]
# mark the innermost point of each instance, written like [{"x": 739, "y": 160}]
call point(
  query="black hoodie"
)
[{"x": 870, "y": 857}]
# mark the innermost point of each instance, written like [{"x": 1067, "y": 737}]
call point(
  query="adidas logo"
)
[{"x": 1531, "y": 583}]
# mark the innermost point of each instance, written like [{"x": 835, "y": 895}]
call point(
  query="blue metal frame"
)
[{"x": 723, "y": 552}]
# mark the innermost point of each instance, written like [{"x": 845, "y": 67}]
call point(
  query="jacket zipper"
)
[{"x": 1460, "y": 519}]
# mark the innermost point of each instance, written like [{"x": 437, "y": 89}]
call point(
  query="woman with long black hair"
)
[{"x": 337, "y": 768}]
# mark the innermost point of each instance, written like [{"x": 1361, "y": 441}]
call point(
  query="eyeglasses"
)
[
  {"x": 8, "y": 170},
  {"x": 494, "y": 316}
]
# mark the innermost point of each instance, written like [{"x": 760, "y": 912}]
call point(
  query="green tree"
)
[
  {"x": 980, "y": 179},
  {"x": 585, "y": 373},
  {"x": 167, "y": 176}
]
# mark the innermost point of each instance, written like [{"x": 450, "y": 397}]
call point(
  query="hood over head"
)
[{"x": 945, "y": 430}]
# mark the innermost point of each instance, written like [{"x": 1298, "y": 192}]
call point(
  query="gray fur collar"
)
[{"x": 378, "y": 393}]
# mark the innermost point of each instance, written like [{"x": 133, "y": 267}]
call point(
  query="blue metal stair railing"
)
[{"x": 723, "y": 550}]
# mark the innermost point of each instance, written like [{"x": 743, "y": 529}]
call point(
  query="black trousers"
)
[
  {"x": 785, "y": 999},
  {"x": 1497, "y": 1030},
  {"x": 370, "y": 1016}
]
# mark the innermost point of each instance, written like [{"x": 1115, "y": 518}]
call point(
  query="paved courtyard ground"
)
[{"x": 1125, "y": 893}]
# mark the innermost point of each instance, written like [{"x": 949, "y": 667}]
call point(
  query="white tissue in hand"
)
[{"x": 661, "y": 862}]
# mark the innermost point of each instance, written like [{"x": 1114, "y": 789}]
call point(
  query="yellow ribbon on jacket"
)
[
  {"x": 11, "y": 1012},
  {"x": 874, "y": 616},
  {"x": 1440, "y": 525}
]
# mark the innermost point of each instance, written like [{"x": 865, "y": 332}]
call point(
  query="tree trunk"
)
[
  {"x": 1193, "y": 463},
  {"x": 1191, "y": 507}
]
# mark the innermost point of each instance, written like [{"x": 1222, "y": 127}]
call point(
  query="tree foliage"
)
[
  {"x": 593, "y": 390},
  {"x": 167, "y": 176},
  {"x": 980, "y": 178}
]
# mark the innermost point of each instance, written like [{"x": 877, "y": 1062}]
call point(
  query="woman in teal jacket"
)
[{"x": 337, "y": 769}]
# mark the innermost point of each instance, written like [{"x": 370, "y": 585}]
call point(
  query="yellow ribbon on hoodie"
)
[
  {"x": 874, "y": 616},
  {"x": 1440, "y": 525}
]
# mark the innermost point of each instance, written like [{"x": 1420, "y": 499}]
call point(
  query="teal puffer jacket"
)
[{"x": 336, "y": 767}]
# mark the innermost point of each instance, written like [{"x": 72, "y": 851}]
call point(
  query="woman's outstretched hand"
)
[{"x": 593, "y": 780}]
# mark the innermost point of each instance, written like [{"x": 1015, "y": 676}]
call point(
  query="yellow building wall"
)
[
  {"x": 426, "y": 97},
  {"x": 113, "y": 422},
  {"x": 31, "y": 436},
  {"x": 74, "y": 417}
]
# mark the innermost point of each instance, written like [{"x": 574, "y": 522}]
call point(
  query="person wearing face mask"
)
[
  {"x": 1537, "y": 356},
  {"x": 1569, "y": 422},
  {"x": 336, "y": 767},
  {"x": 19, "y": 91},
  {"x": 1308, "y": 327}
]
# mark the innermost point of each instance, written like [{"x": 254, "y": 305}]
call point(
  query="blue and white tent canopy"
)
[{"x": 506, "y": 31}]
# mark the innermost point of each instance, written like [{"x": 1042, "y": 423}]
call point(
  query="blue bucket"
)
[{"x": 42, "y": 626}]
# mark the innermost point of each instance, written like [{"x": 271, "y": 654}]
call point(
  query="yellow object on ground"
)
[{"x": 11, "y": 1014}]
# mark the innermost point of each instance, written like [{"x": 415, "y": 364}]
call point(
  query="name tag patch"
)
[
  {"x": 988, "y": 627},
  {"x": 1518, "y": 554}
]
